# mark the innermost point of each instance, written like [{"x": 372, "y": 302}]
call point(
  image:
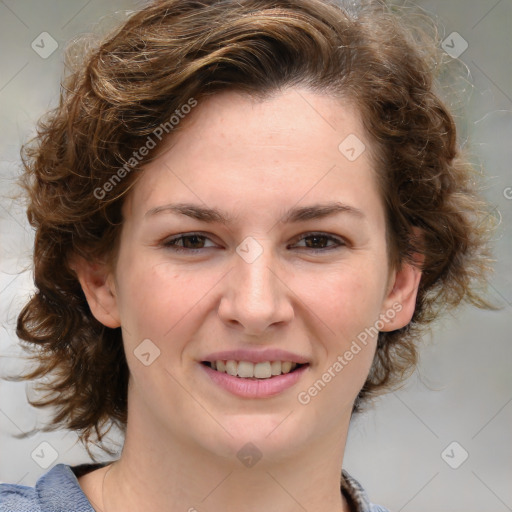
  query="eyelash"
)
[{"x": 170, "y": 243}]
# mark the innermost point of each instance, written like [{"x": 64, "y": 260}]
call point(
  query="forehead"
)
[{"x": 259, "y": 152}]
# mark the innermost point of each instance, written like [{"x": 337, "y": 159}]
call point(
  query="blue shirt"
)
[{"x": 58, "y": 490}]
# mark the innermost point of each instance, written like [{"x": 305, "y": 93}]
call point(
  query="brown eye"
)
[
  {"x": 188, "y": 242},
  {"x": 319, "y": 242}
]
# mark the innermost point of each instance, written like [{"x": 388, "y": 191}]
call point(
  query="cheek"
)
[
  {"x": 345, "y": 350},
  {"x": 158, "y": 300},
  {"x": 348, "y": 303},
  {"x": 347, "y": 299}
]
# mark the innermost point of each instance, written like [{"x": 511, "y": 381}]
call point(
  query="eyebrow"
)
[{"x": 297, "y": 214}]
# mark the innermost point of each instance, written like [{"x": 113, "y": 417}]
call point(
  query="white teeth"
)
[
  {"x": 262, "y": 370},
  {"x": 275, "y": 367},
  {"x": 246, "y": 369},
  {"x": 231, "y": 368},
  {"x": 286, "y": 367}
]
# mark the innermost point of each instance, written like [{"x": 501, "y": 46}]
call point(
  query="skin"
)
[{"x": 254, "y": 160}]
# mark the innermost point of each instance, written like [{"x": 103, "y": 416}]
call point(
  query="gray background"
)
[{"x": 462, "y": 391}]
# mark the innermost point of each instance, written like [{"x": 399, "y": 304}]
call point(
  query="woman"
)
[{"x": 245, "y": 213}]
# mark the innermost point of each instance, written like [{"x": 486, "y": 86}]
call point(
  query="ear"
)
[
  {"x": 98, "y": 286},
  {"x": 401, "y": 296}
]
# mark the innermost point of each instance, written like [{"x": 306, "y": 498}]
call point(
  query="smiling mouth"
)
[{"x": 254, "y": 371}]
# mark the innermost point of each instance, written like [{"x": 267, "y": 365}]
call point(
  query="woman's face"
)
[{"x": 282, "y": 257}]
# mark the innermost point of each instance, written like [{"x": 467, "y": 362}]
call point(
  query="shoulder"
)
[
  {"x": 57, "y": 490},
  {"x": 356, "y": 495}
]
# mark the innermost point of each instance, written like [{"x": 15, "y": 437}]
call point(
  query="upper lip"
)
[{"x": 255, "y": 356}]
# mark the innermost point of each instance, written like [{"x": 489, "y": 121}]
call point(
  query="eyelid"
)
[
  {"x": 340, "y": 241},
  {"x": 167, "y": 242}
]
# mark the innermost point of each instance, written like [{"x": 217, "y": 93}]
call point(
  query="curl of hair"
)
[{"x": 175, "y": 50}]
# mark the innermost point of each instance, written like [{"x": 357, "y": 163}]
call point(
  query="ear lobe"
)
[{"x": 99, "y": 289}]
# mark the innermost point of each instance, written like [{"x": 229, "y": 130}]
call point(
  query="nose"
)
[{"x": 256, "y": 297}]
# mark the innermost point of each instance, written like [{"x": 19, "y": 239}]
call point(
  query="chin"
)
[{"x": 273, "y": 435}]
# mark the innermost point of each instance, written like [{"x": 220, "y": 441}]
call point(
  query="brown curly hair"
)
[{"x": 175, "y": 50}]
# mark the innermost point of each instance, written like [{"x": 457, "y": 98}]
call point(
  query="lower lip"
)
[{"x": 255, "y": 388}]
